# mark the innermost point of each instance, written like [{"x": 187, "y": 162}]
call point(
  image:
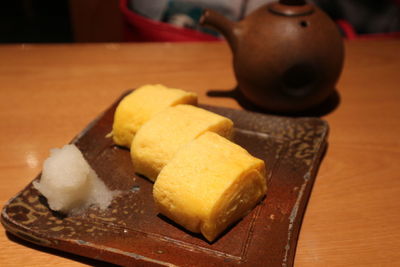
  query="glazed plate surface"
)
[{"x": 131, "y": 231}]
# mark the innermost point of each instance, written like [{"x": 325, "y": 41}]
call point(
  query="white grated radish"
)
[{"x": 70, "y": 184}]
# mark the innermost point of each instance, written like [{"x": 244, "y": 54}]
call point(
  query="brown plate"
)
[{"x": 131, "y": 232}]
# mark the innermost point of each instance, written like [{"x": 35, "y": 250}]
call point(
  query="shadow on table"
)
[
  {"x": 59, "y": 253},
  {"x": 326, "y": 107}
]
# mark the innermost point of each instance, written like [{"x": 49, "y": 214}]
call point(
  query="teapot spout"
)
[{"x": 225, "y": 26}]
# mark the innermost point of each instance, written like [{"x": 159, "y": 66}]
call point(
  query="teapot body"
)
[
  {"x": 288, "y": 63},
  {"x": 285, "y": 58}
]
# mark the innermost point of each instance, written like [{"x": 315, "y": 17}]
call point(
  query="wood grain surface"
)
[{"x": 48, "y": 93}]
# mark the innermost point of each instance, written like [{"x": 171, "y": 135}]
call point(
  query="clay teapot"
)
[{"x": 287, "y": 56}]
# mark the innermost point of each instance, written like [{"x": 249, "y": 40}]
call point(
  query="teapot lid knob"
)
[{"x": 291, "y": 8}]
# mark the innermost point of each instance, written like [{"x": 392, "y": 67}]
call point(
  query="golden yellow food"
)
[
  {"x": 141, "y": 105},
  {"x": 161, "y": 137},
  {"x": 210, "y": 184}
]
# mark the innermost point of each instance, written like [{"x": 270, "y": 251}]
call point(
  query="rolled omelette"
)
[
  {"x": 160, "y": 138},
  {"x": 141, "y": 105},
  {"x": 210, "y": 184}
]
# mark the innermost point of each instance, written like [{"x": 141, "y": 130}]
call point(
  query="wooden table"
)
[{"x": 48, "y": 93}]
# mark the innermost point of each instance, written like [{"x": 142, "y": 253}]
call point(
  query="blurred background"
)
[{"x": 67, "y": 21}]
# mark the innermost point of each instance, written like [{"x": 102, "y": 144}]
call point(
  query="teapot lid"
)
[{"x": 291, "y": 8}]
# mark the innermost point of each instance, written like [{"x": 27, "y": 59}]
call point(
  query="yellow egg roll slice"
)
[
  {"x": 161, "y": 137},
  {"x": 210, "y": 184},
  {"x": 142, "y": 104}
]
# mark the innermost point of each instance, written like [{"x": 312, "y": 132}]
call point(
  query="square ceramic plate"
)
[{"x": 131, "y": 231}]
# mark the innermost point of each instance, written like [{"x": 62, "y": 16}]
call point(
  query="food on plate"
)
[
  {"x": 142, "y": 104},
  {"x": 70, "y": 184},
  {"x": 209, "y": 184},
  {"x": 161, "y": 137}
]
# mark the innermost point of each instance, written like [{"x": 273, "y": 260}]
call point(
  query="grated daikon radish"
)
[{"x": 70, "y": 184}]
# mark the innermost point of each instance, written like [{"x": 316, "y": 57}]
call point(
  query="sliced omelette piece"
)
[
  {"x": 141, "y": 105},
  {"x": 161, "y": 137},
  {"x": 210, "y": 184}
]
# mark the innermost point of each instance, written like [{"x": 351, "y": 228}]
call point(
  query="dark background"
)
[
  {"x": 65, "y": 21},
  {"x": 60, "y": 21},
  {"x": 35, "y": 21}
]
